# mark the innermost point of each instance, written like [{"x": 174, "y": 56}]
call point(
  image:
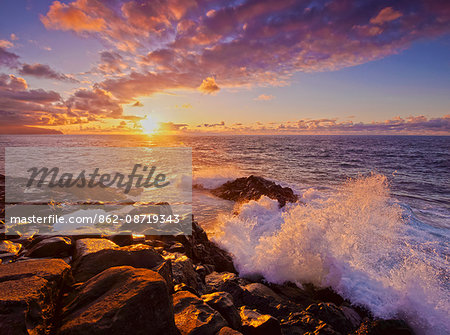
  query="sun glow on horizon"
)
[{"x": 149, "y": 125}]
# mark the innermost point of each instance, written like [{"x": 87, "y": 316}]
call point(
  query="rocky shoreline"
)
[{"x": 126, "y": 284}]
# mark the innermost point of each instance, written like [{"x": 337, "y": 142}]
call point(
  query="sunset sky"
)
[{"x": 245, "y": 67}]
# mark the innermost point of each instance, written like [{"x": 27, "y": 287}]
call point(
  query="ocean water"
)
[{"x": 373, "y": 221}]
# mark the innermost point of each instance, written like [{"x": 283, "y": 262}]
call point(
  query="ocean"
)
[{"x": 372, "y": 222}]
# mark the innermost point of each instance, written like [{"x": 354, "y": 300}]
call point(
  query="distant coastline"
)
[{"x": 24, "y": 130}]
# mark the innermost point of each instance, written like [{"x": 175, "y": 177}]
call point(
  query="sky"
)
[{"x": 228, "y": 67}]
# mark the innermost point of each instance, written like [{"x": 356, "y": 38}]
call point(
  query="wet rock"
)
[
  {"x": 29, "y": 291},
  {"x": 223, "y": 303},
  {"x": 9, "y": 250},
  {"x": 184, "y": 287},
  {"x": 332, "y": 315},
  {"x": 384, "y": 327},
  {"x": 351, "y": 315},
  {"x": 183, "y": 270},
  {"x": 92, "y": 260},
  {"x": 201, "y": 250},
  {"x": 254, "y": 323},
  {"x": 86, "y": 246},
  {"x": 57, "y": 246},
  {"x": 228, "y": 331},
  {"x": 252, "y": 188},
  {"x": 165, "y": 270},
  {"x": 226, "y": 282},
  {"x": 122, "y": 239},
  {"x": 193, "y": 316},
  {"x": 120, "y": 300},
  {"x": 176, "y": 247}
]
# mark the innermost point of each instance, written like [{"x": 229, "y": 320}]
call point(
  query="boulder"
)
[
  {"x": 226, "y": 282},
  {"x": 195, "y": 317},
  {"x": 86, "y": 246},
  {"x": 9, "y": 250},
  {"x": 223, "y": 303},
  {"x": 332, "y": 315},
  {"x": 183, "y": 270},
  {"x": 252, "y": 188},
  {"x": 201, "y": 250},
  {"x": 384, "y": 327},
  {"x": 254, "y": 323},
  {"x": 29, "y": 294},
  {"x": 228, "y": 331},
  {"x": 91, "y": 259},
  {"x": 57, "y": 246},
  {"x": 120, "y": 300}
]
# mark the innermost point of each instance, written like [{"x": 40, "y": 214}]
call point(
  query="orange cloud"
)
[
  {"x": 209, "y": 86},
  {"x": 386, "y": 15},
  {"x": 71, "y": 17},
  {"x": 264, "y": 97}
]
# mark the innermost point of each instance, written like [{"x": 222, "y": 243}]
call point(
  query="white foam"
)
[
  {"x": 358, "y": 241},
  {"x": 214, "y": 177}
]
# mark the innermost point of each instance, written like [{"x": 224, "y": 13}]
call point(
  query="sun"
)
[{"x": 149, "y": 125}]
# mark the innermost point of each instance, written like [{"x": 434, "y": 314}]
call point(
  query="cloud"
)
[
  {"x": 13, "y": 37},
  {"x": 69, "y": 17},
  {"x": 209, "y": 86},
  {"x": 387, "y": 14},
  {"x": 6, "y": 44},
  {"x": 264, "y": 97},
  {"x": 247, "y": 43},
  {"x": 137, "y": 104},
  {"x": 20, "y": 105},
  {"x": 8, "y": 59},
  {"x": 43, "y": 71},
  {"x": 111, "y": 62}
]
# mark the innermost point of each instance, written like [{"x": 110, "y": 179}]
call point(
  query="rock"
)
[
  {"x": 183, "y": 270},
  {"x": 332, "y": 315},
  {"x": 201, "y": 250},
  {"x": 176, "y": 247},
  {"x": 184, "y": 287},
  {"x": 228, "y": 331},
  {"x": 226, "y": 282},
  {"x": 57, "y": 246},
  {"x": 29, "y": 291},
  {"x": 120, "y": 300},
  {"x": 223, "y": 303},
  {"x": 87, "y": 246},
  {"x": 9, "y": 249},
  {"x": 384, "y": 327},
  {"x": 252, "y": 188},
  {"x": 254, "y": 323},
  {"x": 165, "y": 270},
  {"x": 351, "y": 315},
  {"x": 122, "y": 239},
  {"x": 260, "y": 297},
  {"x": 193, "y": 316},
  {"x": 92, "y": 260}
]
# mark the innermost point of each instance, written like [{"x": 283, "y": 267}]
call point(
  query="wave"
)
[{"x": 358, "y": 240}]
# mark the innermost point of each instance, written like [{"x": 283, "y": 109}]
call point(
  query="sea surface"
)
[{"x": 373, "y": 219}]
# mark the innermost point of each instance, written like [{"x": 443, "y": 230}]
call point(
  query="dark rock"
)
[
  {"x": 252, "y": 188},
  {"x": 165, "y": 270},
  {"x": 120, "y": 300},
  {"x": 201, "y": 250},
  {"x": 328, "y": 295},
  {"x": 9, "y": 250},
  {"x": 223, "y": 303},
  {"x": 122, "y": 239},
  {"x": 29, "y": 292},
  {"x": 254, "y": 323},
  {"x": 228, "y": 331},
  {"x": 91, "y": 262},
  {"x": 332, "y": 315},
  {"x": 384, "y": 327},
  {"x": 57, "y": 246},
  {"x": 183, "y": 270},
  {"x": 193, "y": 316},
  {"x": 176, "y": 247},
  {"x": 184, "y": 287},
  {"x": 87, "y": 246},
  {"x": 226, "y": 282}
]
